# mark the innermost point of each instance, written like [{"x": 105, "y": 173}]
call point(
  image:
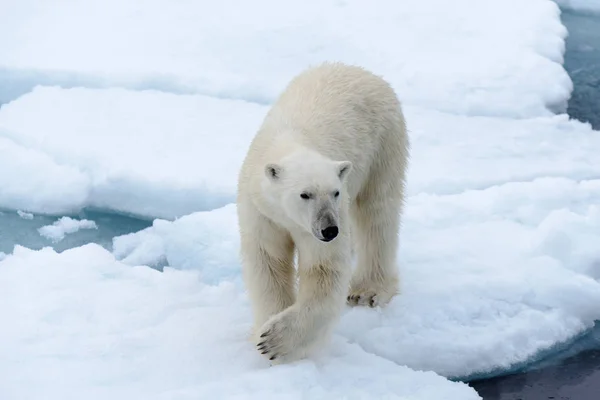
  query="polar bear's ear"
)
[
  {"x": 273, "y": 171},
  {"x": 343, "y": 167}
]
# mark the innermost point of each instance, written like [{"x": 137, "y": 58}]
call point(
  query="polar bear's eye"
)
[
  {"x": 336, "y": 194},
  {"x": 305, "y": 196}
]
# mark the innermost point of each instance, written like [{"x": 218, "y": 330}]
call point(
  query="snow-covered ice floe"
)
[
  {"x": 461, "y": 56},
  {"x": 83, "y": 324},
  {"x": 64, "y": 226},
  {"x": 491, "y": 278},
  {"x": 156, "y": 154},
  {"x": 144, "y": 153},
  {"x": 499, "y": 256}
]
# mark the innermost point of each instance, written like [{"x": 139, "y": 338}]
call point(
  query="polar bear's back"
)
[{"x": 343, "y": 112}]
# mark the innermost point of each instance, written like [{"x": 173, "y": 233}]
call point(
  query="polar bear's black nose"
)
[{"x": 329, "y": 233}]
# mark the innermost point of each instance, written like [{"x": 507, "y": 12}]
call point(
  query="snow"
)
[
  {"x": 580, "y": 5},
  {"x": 207, "y": 242},
  {"x": 152, "y": 118},
  {"x": 491, "y": 277},
  {"x": 24, "y": 215},
  {"x": 32, "y": 181},
  {"x": 84, "y": 325},
  {"x": 64, "y": 226},
  {"x": 472, "y": 58},
  {"x": 178, "y": 154},
  {"x": 144, "y": 153}
]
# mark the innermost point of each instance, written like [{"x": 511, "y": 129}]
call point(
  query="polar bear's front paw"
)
[
  {"x": 363, "y": 298},
  {"x": 370, "y": 295},
  {"x": 280, "y": 337}
]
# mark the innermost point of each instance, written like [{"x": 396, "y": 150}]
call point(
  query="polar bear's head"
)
[{"x": 309, "y": 190}]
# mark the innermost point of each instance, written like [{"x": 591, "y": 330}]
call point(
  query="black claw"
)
[
  {"x": 264, "y": 334},
  {"x": 274, "y": 356},
  {"x": 261, "y": 348},
  {"x": 261, "y": 343},
  {"x": 264, "y": 352}
]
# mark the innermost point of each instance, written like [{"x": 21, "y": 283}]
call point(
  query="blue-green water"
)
[
  {"x": 582, "y": 61},
  {"x": 16, "y": 230}
]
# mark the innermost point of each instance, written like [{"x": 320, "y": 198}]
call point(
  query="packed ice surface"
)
[
  {"x": 462, "y": 56},
  {"x": 499, "y": 253},
  {"x": 491, "y": 277},
  {"x": 33, "y": 181},
  {"x": 499, "y": 257},
  {"x": 144, "y": 153},
  {"x": 84, "y": 325},
  {"x": 162, "y": 155},
  {"x": 64, "y": 226}
]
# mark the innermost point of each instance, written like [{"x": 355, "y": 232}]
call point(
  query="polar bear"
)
[{"x": 322, "y": 179}]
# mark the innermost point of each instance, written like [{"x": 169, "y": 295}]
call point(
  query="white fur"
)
[{"x": 334, "y": 128}]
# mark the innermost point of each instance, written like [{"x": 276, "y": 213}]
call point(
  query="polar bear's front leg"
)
[
  {"x": 376, "y": 278},
  {"x": 296, "y": 331},
  {"x": 268, "y": 270}
]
